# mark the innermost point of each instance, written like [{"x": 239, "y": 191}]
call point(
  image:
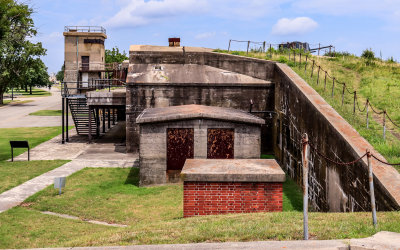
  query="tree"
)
[
  {"x": 17, "y": 53},
  {"x": 37, "y": 75},
  {"x": 368, "y": 54},
  {"x": 60, "y": 74},
  {"x": 114, "y": 55}
]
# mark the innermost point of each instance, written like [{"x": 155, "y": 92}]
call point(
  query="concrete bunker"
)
[{"x": 170, "y": 135}]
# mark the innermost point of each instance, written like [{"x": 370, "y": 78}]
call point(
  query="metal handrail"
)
[
  {"x": 94, "y": 84},
  {"x": 85, "y": 29}
]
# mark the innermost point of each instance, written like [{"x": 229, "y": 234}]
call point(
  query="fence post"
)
[
  {"x": 325, "y": 81},
  {"x": 229, "y": 46},
  {"x": 384, "y": 125},
  {"x": 263, "y": 46},
  {"x": 270, "y": 51},
  {"x": 305, "y": 65},
  {"x": 333, "y": 86},
  {"x": 354, "y": 102},
  {"x": 300, "y": 60},
  {"x": 344, "y": 87},
  {"x": 367, "y": 113},
  {"x": 371, "y": 188},
  {"x": 319, "y": 47},
  {"x": 305, "y": 184},
  {"x": 319, "y": 68},
  {"x": 248, "y": 45},
  {"x": 312, "y": 68}
]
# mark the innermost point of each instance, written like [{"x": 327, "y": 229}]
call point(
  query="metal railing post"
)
[
  {"x": 384, "y": 125},
  {"x": 305, "y": 184},
  {"x": 367, "y": 113},
  {"x": 229, "y": 46},
  {"x": 62, "y": 120},
  {"x": 371, "y": 188}
]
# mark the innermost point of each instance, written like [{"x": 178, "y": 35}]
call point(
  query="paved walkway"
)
[
  {"x": 381, "y": 240},
  {"x": 106, "y": 152},
  {"x": 14, "y": 116}
]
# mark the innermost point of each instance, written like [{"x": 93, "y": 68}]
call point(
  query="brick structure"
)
[
  {"x": 207, "y": 198},
  {"x": 231, "y": 186}
]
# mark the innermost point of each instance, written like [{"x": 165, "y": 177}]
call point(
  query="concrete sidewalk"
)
[{"x": 381, "y": 240}]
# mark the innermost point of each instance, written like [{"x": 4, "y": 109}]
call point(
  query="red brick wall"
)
[{"x": 205, "y": 198}]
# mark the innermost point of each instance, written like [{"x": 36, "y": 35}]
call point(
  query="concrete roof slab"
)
[
  {"x": 193, "y": 111},
  {"x": 232, "y": 170}
]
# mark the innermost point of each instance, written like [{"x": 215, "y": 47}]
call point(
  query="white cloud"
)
[
  {"x": 139, "y": 12},
  {"x": 205, "y": 35},
  {"x": 296, "y": 26}
]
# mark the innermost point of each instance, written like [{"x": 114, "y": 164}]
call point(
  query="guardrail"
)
[
  {"x": 74, "y": 88},
  {"x": 98, "y": 29}
]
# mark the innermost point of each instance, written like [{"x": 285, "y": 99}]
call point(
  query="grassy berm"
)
[
  {"x": 154, "y": 216},
  {"x": 375, "y": 80}
]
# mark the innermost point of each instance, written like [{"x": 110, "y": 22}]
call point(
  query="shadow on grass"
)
[
  {"x": 292, "y": 196},
  {"x": 133, "y": 177}
]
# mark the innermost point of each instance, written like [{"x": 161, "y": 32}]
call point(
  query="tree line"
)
[{"x": 20, "y": 63}]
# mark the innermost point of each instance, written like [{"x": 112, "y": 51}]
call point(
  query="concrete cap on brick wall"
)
[
  {"x": 193, "y": 111},
  {"x": 232, "y": 170}
]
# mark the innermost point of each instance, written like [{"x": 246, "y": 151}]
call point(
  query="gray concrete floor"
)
[{"x": 13, "y": 116}]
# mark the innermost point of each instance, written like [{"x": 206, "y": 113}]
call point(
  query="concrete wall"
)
[
  {"x": 141, "y": 96},
  {"x": 332, "y": 187},
  {"x": 153, "y": 145}
]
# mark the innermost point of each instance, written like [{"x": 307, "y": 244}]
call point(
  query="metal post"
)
[
  {"x": 333, "y": 85},
  {"x": 371, "y": 188},
  {"x": 97, "y": 122},
  {"x": 300, "y": 60},
  {"x": 305, "y": 65},
  {"x": 108, "y": 118},
  {"x": 367, "y": 113},
  {"x": 66, "y": 120},
  {"x": 325, "y": 81},
  {"x": 113, "y": 119},
  {"x": 263, "y": 46},
  {"x": 319, "y": 68},
  {"x": 90, "y": 124},
  {"x": 12, "y": 154},
  {"x": 384, "y": 125},
  {"x": 354, "y": 102},
  {"x": 319, "y": 47},
  {"x": 104, "y": 120},
  {"x": 248, "y": 45},
  {"x": 270, "y": 50},
  {"x": 305, "y": 184},
  {"x": 312, "y": 68},
  {"x": 29, "y": 157},
  {"x": 229, "y": 46},
  {"x": 344, "y": 87},
  {"x": 62, "y": 120}
]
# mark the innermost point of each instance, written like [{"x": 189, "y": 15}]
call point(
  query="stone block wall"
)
[
  {"x": 208, "y": 198},
  {"x": 153, "y": 145}
]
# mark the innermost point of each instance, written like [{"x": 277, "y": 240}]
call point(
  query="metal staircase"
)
[{"x": 80, "y": 114}]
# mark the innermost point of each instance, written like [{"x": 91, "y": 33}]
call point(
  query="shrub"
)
[
  {"x": 282, "y": 59},
  {"x": 368, "y": 54}
]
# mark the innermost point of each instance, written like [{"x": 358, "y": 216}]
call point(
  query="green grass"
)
[
  {"x": 34, "y": 136},
  {"x": 35, "y": 93},
  {"x": 379, "y": 82},
  {"x": 13, "y": 174},
  {"x": 154, "y": 216},
  {"x": 46, "y": 112}
]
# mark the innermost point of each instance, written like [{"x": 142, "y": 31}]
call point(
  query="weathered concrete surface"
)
[
  {"x": 381, "y": 240},
  {"x": 187, "y": 73},
  {"x": 153, "y": 144},
  {"x": 232, "y": 170},
  {"x": 194, "y": 111},
  {"x": 115, "y": 97},
  {"x": 332, "y": 188}
]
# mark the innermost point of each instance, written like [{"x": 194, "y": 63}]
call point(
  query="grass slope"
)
[
  {"x": 377, "y": 80},
  {"x": 154, "y": 216},
  {"x": 13, "y": 174}
]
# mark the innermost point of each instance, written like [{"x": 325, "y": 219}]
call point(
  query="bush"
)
[
  {"x": 368, "y": 54},
  {"x": 390, "y": 60},
  {"x": 282, "y": 59}
]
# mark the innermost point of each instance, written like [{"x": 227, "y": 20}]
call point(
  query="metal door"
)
[
  {"x": 180, "y": 146},
  {"x": 85, "y": 63},
  {"x": 220, "y": 143}
]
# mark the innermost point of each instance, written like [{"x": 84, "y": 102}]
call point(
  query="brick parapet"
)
[{"x": 210, "y": 198}]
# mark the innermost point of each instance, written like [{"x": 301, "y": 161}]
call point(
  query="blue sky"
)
[{"x": 349, "y": 25}]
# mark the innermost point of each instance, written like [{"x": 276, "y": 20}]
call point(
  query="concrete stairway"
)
[{"x": 80, "y": 114}]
